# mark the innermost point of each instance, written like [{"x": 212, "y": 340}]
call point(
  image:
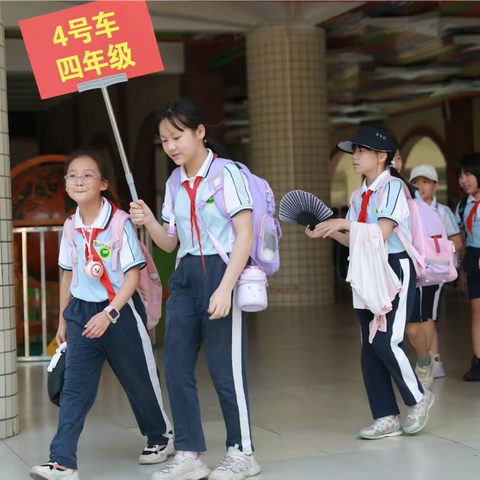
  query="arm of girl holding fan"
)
[{"x": 333, "y": 229}]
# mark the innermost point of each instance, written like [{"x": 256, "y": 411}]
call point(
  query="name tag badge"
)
[{"x": 104, "y": 243}]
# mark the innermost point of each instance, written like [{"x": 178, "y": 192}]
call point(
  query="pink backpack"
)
[
  {"x": 432, "y": 253},
  {"x": 150, "y": 286}
]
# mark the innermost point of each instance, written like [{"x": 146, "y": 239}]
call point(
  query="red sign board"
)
[{"x": 89, "y": 42}]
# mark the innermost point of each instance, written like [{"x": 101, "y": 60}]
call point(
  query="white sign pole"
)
[{"x": 102, "y": 84}]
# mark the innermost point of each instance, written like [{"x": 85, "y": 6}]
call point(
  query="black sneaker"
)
[{"x": 474, "y": 374}]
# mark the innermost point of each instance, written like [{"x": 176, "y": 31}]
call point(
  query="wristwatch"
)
[{"x": 112, "y": 313}]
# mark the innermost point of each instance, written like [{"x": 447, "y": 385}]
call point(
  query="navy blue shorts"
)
[
  {"x": 472, "y": 272},
  {"x": 427, "y": 301}
]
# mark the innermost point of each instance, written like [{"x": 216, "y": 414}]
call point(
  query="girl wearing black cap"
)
[{"x": 373, "y": 150}]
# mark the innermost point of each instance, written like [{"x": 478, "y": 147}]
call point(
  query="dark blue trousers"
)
[
  {"x": 188, "y": 326},
  {"x": 386, "y": 359},
  {"x": 128, "y": 349}
]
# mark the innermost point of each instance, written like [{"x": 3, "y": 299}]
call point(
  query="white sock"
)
[{"x": 192, "y": 455}]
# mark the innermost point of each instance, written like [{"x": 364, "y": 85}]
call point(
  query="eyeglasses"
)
[{"x": 87, "y": 179}]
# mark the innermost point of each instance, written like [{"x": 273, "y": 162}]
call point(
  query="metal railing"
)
[{"x": 24, "y": 232}]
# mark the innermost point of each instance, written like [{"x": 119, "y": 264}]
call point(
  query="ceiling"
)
[
  {"x": 384, "y": 58},
  {"x": 201, "y": 16}
]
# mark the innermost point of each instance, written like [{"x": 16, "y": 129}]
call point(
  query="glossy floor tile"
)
[
  {"x": 307, "y": 402},
  {"x": 11, "y": 465}
]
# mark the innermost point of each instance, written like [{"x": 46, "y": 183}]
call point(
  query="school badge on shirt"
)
[{"x": 104, "y": 252}]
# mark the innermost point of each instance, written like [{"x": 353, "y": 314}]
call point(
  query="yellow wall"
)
[
  {"x": 426, "y": 151},
  {"x": 425, "y": 120},
  {"x": 345, "y": 181}
]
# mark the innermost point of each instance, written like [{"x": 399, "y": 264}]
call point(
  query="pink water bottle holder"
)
[{"x": 252, "y": 290}]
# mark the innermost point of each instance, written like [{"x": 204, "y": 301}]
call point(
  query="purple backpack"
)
[{"x": 266, "y": 228}]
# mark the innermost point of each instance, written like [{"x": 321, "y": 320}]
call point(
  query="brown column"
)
[
  {"x": 287, "y": 97},
  {"x": 204, "y": 88},
  {"x": 458, "y": 141}
]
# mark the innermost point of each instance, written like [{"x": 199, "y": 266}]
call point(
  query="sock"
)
[
  {"x": 192, "y": 455},
  {"x": 424, "y": 362}
]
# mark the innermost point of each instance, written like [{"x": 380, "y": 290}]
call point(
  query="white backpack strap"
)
[
  {"x": 218, "y": 247},
  {"x": 216, "y": 186},
  {"x": 354, "y": 200},
  {"x": 175, "y": 184},
  {"x": 69, "y": 234},
  {"x": 118, "y": 224},
  {"x": 417, "y": 259},
  {"x": 384, "y": 183}
]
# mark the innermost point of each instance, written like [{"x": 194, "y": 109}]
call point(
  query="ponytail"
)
[
  {"x": 390, "y": 164},
  {"x": 216, "y": 148}
]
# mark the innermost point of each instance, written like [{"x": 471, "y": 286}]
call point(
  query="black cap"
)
[{"x": 374, "y": 138}]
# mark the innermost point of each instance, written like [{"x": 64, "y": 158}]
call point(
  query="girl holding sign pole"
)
[{"x": 200, "y": 309}]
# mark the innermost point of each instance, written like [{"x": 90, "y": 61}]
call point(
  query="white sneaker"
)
[
  {"x": 438, "y": 370},
  {"x": 235, "y": 466},
  {"x": 381, "y": 428},
  {"x": 182, "y": 468},
  {"x": 53, "y": 471},
  {"x": 156, "y": 454},
  {"x": 425, "y": 374},
  {"x": 417, "y": 416}
]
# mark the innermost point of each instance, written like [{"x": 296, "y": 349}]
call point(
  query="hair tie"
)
[{"x": 393, "y": 163}]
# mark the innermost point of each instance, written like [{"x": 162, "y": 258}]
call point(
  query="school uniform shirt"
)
[
  {"x": 447, "y": 217},
  {"x": 393, "y": 206},
  {"x": 237, "y": 199},
  {"x": 91, "y": 290},
  {"x": 472, "y": 240}
]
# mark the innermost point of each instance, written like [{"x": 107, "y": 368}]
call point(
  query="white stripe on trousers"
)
[
  {"x": 436, "y": 302},
  {"x": 398, "y": 332},
  {"x": 151, "y": 365},
  {"x": 238, "y": 375}
]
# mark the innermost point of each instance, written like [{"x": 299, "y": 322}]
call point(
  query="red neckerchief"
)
[
  {"x": 362, "y": 218},
  {"x": 104, "y": 279},
  {"x": 192, "y": 193},
  {"x": 472, "y": 217}
]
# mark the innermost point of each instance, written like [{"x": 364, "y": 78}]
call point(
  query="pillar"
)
[
  {"x": 459, "y": 141},
  {"x": 287, "y": 100},
  {"x": 9, "y": 424}
]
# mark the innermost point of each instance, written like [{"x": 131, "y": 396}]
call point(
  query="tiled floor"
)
[{"x": 307, "y": 401}]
